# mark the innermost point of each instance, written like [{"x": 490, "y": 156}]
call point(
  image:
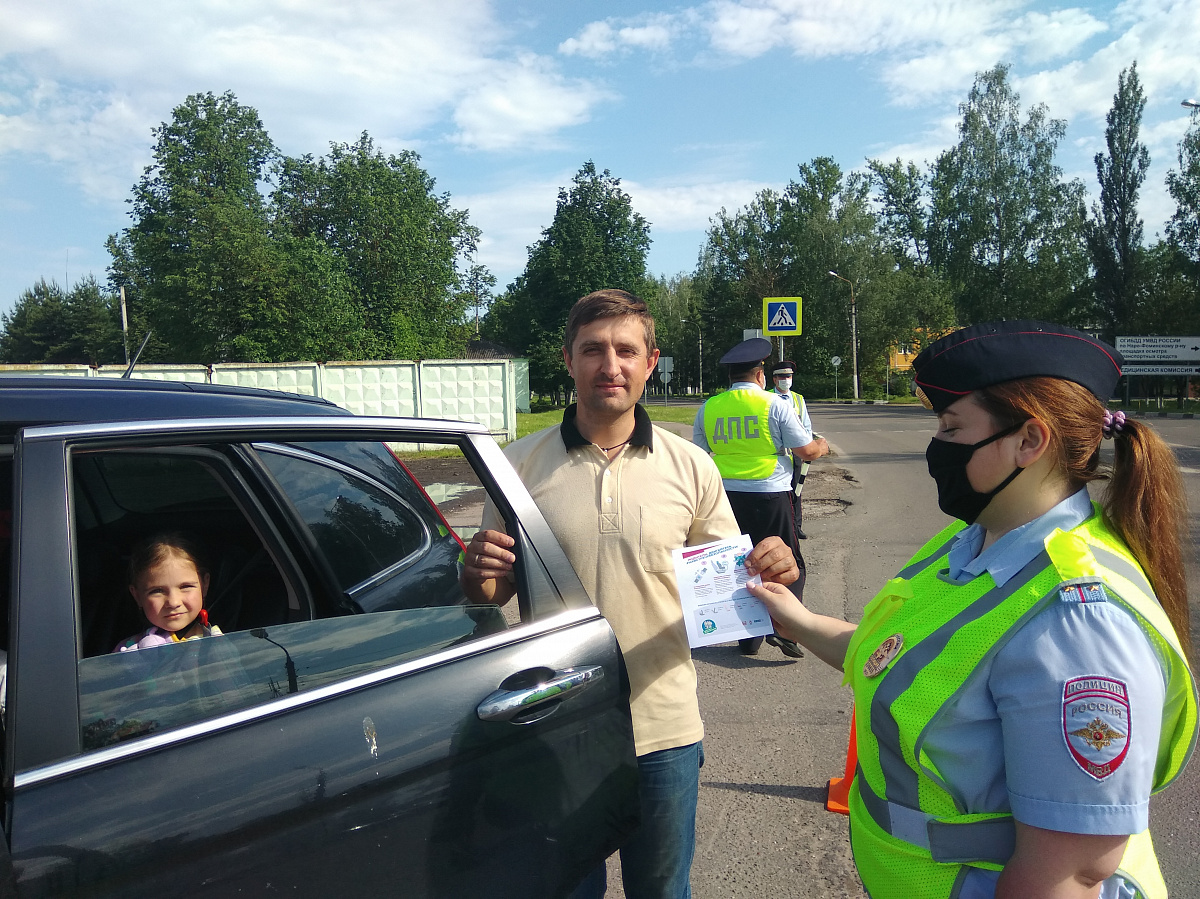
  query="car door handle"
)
[{"x": 504, "y": 705}]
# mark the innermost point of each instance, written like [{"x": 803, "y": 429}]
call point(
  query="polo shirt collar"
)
[{"x": 643, "y": 429}]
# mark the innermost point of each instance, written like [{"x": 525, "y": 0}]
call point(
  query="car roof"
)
[{"x": 49, "y": 399}]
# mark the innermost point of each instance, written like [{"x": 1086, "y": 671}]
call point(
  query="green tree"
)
[
  {"x": 476, "y": 294},
  {"x": 675, "y": 304},
  {"x": 1114, "y": 229},
  {"x": 198, "y": 259},
  {"x": 1006, "y": 228},
  {"x": 1183, "y": 230},
  {"x": 399, "y": 243},
  {"x": 595, "y": 241},
  {"x": 903, "y": 201},
  {"x": 48, "y": 324}
]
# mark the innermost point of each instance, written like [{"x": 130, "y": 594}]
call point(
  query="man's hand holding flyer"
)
[{"x": 717, "y": 607}]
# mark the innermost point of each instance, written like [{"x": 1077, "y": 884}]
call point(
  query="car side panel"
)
[
  {"x": 389, "y": 781},
  {"x": 398, "y": 786}
]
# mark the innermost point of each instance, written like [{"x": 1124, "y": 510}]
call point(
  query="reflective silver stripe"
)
[
  {"x": 992, "y": 840},
  {"x": 1121, "y": 566},
  {"x": 920, "y": 565},
  {"x": 901, "y": 779}
]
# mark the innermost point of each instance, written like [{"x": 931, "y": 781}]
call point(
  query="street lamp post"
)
[
  {"x": 853, "y": 332},
  {"x": 699, "y": 351},
  {"x": 1190, "y": 104}
]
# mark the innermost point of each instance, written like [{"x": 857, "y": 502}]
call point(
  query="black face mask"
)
[{"x": 948, "y": 467}]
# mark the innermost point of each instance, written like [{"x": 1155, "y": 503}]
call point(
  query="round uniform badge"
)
[{"x": 884, "y": 653}]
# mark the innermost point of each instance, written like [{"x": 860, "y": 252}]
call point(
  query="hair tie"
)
[{"x": 1114, "y": 423}]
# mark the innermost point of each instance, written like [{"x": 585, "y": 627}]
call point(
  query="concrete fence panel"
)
[
  {"x": 483, "y": 391},
  {"x": 290, "y": 377}
]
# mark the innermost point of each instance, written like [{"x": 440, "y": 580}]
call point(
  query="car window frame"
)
[
  {"x": 225, "y": 468},
  {"x": 314, "y": 545},
  {"x": 45, "y": 737}
]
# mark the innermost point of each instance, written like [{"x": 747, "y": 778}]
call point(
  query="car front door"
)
[{"x": 429, "y": 747}]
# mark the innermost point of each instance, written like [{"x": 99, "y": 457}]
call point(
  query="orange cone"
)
[{"x": 837, "y": 797}]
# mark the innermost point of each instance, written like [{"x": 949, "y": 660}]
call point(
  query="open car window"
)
[{"x": 329, "y": 562}]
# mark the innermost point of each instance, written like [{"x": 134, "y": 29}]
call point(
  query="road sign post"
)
[{"x": 781, "y": 316}]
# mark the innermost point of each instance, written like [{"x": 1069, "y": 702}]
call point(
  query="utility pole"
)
[{"x": 853, "y": 332}]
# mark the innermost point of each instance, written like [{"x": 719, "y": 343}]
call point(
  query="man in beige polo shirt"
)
[{"x": 620, "y": 495}]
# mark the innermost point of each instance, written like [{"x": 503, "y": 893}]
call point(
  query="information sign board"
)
[
  {"x": 781, "y": 316},
  {"x": 1159, "y": 349},
  {"x": 1152, "y": 368}
]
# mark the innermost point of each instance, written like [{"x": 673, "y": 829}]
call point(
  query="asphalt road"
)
[{"x": 776, "y": 728}]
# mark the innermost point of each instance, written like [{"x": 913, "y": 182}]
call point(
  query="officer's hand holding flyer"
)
[{"x": 717, "y": 607}]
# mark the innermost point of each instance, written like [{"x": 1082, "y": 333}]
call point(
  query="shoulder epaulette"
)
[{"x": 1093, "y": 591}]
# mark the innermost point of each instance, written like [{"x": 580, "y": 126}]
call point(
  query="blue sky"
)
[{"x": 694, "y": 107}]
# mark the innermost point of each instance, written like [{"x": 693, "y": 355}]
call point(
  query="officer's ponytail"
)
[{"x": 1144, "y": 501}]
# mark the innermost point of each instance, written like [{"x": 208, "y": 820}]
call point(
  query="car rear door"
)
[{"x": 430, "y": 748}]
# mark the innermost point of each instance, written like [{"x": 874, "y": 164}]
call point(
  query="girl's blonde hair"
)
[{"x": 157, "y": 549}]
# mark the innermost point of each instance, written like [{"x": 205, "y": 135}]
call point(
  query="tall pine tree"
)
[{"x": 1114, "y": 230}]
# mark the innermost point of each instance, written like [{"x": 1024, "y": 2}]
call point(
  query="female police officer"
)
[{"x": 1021, "y": 687}]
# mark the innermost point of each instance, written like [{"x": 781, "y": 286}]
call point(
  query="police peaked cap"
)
[
  {"x": 747, "y": 353},
  {"x": 994, "y": 352},
  {"x": 784, "y": 367}
]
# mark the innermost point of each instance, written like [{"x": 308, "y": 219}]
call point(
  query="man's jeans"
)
[{"x": 656, "y": 860}]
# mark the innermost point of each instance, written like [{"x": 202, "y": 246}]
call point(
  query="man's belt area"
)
[{"x": 991, "y": 840}]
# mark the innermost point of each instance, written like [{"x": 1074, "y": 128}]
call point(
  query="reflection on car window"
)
[
  {"x": 360, "y": 527},
  {"x": 139, "y": 483},
  {"x": 131, "y": 695}
]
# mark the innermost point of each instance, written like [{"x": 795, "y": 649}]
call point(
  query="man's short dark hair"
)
[
  {"x": 745, "y": 374},
  {"x": 608, "y": 303}
]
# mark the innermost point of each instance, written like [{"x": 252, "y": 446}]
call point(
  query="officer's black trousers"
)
[{"x": 763, "y": 515}]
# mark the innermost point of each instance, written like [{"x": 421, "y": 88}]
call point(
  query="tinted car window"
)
[
  {"x": 395, "y": 560},
  {"x": 362, "y": 528},
  {"x": 128, "y": 695}
]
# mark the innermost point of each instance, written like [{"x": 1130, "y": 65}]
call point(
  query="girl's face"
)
[
  {"x": 965, "y": 421},
  {"x": 171, "y": 593}
]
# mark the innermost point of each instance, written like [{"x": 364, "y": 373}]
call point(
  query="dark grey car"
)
[{"x": 360, "y": 726}]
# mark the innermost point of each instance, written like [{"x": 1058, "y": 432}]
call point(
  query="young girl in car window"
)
[{"x": 168, "y": 582}]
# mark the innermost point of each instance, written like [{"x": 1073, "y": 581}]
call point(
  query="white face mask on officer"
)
[{"x": 783, "y": 385}]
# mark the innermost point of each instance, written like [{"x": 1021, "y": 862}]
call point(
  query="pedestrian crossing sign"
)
[{"x": 781, "y": 316}]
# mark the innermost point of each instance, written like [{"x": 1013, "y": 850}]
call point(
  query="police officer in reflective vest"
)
[
  {"x": 783, "y": 374},
  {"x": 750, "y": 430},
  {"x": 1021, "y": 687}
]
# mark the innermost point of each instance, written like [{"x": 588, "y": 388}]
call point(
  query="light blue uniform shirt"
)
[
  {"x": 786, "y": 431},
  {"x": 999, "y": 744}
]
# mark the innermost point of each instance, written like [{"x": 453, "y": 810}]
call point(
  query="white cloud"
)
[
  {"x": 688, "y": 207},
  {"x": 512, "y": 219},
  {"x": 595, "y": 40},
  {"x": 522, "y": 103},
  {"x": 654, "y": 31},
  {"x": 1052, "y": 36},
  {"x": 817, "y": 28},
  {"x": 83, "y": 83}
]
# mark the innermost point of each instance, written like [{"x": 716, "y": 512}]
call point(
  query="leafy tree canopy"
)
[
  {"x": 595, "y": 241},
  {"x": 1005, "y": 226},
  {"x": 1114, "y": 229},
  {"x": 398, "y": 241},
  {"x": 48, "y": 324}
]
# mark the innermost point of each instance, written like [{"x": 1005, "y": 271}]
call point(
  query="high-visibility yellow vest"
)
[
  {"x": 739, "y": 434},
  {"x": 797, "y": 403},
  {"x": 910, "y": 839}
]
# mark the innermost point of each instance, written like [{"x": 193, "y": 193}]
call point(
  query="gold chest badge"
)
[{"x": 886, "y": 651}]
